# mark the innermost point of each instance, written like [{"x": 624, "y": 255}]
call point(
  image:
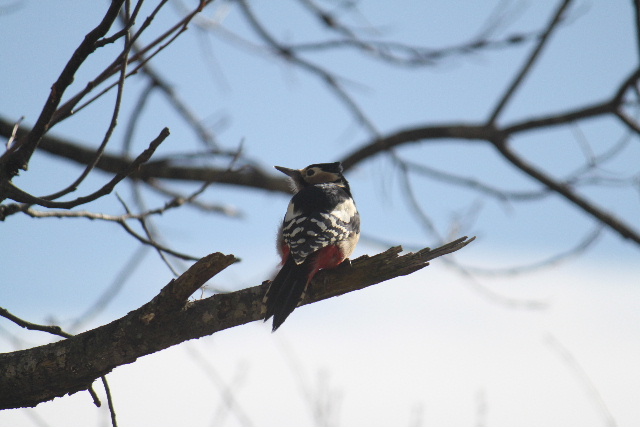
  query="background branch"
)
[{"x": 508, "y": 94}]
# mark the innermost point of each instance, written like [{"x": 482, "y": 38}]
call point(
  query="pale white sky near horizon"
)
[{"x": 429, "y": 349}]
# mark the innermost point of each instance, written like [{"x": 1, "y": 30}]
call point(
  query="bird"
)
[{"x": 320, "y": 230}]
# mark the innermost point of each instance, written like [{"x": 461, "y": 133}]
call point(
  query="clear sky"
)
[{"x": 435, "y": 348}]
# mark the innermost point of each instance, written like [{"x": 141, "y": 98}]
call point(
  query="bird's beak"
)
[{"x": 293, "y": 173}]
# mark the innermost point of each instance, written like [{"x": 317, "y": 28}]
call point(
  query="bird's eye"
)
[{"x": 310, "y": 172}]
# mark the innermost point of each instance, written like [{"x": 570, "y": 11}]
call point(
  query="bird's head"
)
[{"x": 317, "y": 173}]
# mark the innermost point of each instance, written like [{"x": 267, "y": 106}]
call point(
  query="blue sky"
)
[{"x": 428, "y": 347}]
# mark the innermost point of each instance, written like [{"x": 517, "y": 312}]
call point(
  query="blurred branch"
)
[
  {"x": 247, "y": 176},
  {"x": 258, "y": 179},
  {"x": 321, "y": 400},
  {"x": 401, "y": 54},
  {"x": 557, "y": 17},
  {"x": 500, "y": 137},
  {"x": 224, "y": 209},
  {"x": 393, "y": 53},
  {"x": 472, "y": 281},
  {"x": 151, "y": 241},
  {"x": 169, "y": 319},
  {"x": 461, "y": 131},
  {"x": 110, "y": 292},
  {"x": 578, "y": 249},
  {"x": 590, "y": 388},
  {"x": 228, "y": 400},
  {"x": 609, "y": 219},
  {"x": 471, "y": 183},
  {"x": 180, "y": 106},
  {"x": 329, "y": 78}
]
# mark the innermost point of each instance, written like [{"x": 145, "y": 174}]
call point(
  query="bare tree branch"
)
[
  {"x": 112, "y": 125},
  {"x": 111, "y": 291},
  {"x": 557, "y": 17},
  {"x": 329, "y": 78},
  {"x": 8, "y": 190},
  {"x": 463, "y": 131},
  {"x": 73, "y": 364},
  {"x": 578, "y": 249},
  {"x": 471, "y": 183},
  {"x": 20, "y": 158},
  {"x": 50, "y": 329},
  {"x": 244, "y": 176},
  {"x": 607, "y": 218},
  {"x": 581, "y": 375},
  {"x": 228, "y": 400},
  {"x": 56, "y": 330}
]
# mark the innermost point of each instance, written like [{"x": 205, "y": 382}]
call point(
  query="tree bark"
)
[{"x": 29, "y": 377}]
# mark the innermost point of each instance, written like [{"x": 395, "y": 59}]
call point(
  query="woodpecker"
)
[{"x": 320, "y": 230}]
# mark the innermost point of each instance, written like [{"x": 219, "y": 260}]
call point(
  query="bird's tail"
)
[{"x": 286, "y": 291}]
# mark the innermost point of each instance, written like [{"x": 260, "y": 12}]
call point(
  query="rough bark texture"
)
[{"x": 28, "y": 377}]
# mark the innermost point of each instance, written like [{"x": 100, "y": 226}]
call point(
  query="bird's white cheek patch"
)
[{"x": 344, "y": 211}]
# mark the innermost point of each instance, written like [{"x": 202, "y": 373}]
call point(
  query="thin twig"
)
[
  {"x": 181, "y": 107},
  {"x": 407, "y": 187},
  {"x": 225, "y": 390},
  {"x": 112, "y": 409},
  {"x": 107, "y": 136},
  {"x": 474, "y": 184},
  {"x": 50, "y": 329},
  {"x": 138, "y": 108},
  {"x": 227, "y": 210},
  {"x": 71, "y": 106},
  {"x": 156, "y": 245},
  {"x": 327, "y": 77},
  {"x": 147, "y": 231},
  {"x": 7, "y": 189},
  {"x": 111, "y": 291},
  {"x": 591, "y": 389},
  {"x": 86, "y": 48},
  {"x": 578, "y": 249},
  {"x": 606, "y": 218},
  {"x": 508, "y": 94}
]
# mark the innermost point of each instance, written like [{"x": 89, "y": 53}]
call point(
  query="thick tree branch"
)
[
  {"x": 28, "y": 377},
  {"x": 366, "y": 271}
]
